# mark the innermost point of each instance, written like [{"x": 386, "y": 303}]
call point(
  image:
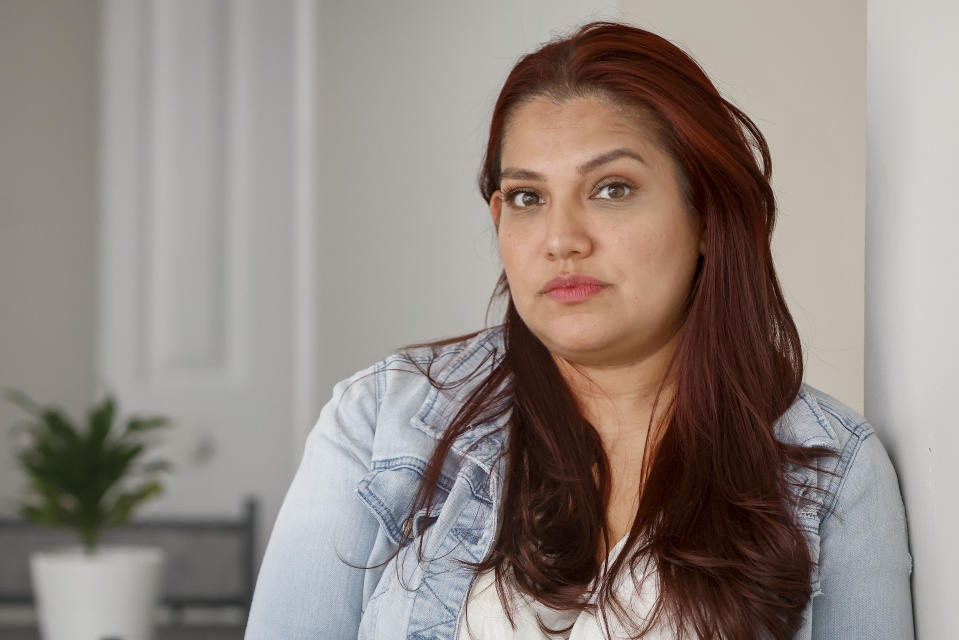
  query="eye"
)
[
  {"x": 621, "y": 188},
  {"x": 524, "y": 198},
  {"x": 527, "y": 198}
]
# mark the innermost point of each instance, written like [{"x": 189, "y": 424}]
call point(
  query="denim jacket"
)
[{"x": 367, "y": 452}]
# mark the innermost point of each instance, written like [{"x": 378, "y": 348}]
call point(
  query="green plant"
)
[{"x": 85, "y": 479}]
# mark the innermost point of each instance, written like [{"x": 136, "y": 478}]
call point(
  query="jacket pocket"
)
[{"x": 388, "y": 491}]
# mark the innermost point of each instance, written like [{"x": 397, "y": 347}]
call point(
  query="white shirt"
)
[{"x": 483, "y": 617}]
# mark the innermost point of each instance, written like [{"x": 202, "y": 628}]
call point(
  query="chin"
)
[{"x": 584, "y": 336}]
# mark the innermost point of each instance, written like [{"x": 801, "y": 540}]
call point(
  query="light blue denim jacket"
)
[{"x": 367, "y": 452}]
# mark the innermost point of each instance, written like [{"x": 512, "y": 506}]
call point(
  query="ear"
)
[{"x": 495, "y": 206}]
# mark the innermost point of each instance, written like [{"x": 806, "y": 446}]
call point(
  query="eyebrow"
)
[{"x": 583, "y": 169}]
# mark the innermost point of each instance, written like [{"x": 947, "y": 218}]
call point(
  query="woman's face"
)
[{"x": 586, "y": 193}]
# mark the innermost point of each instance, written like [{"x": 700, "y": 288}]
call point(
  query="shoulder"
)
[
  {"x": 400, "y": 377},
  {"x": 401, "y": 410},
  {"x": 860, "y": 469},
  {"x": 402, "y": 371},
  {"x": 816, "y": 418}
]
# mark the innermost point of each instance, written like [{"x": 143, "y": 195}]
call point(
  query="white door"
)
[{"x": 206, "y": 241}]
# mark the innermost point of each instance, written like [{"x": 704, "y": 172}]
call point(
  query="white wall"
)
[
  {"x": 48, "y": 155},
  {"x": 798, "y": 70},
  {"x": 912, "y": 270}
]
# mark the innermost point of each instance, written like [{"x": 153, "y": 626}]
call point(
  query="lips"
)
[{"x": 571, "y": 281}]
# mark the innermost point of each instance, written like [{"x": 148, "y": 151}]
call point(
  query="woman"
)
[{"x": 632, "y": 452}]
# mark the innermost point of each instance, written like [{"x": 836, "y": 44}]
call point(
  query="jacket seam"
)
[
  {"x": 845, "y": 463},
  {"x": 376, "y": 388},
  {"x": 383, "y": 511},
  {"x": 860, "y": 429},
  {"x": 818, "y": 415}
]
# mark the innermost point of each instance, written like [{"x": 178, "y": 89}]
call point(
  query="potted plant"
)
[{"x": 89, "y": 479}]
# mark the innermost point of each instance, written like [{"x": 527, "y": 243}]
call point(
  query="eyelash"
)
[{"x": 509, "y": 196}]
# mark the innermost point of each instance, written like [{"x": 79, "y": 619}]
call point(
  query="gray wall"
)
[
  {"x": 405, "y": 101},
  {"x": 405, "y": 92},
  {"x": 48, "y": 160},
  {"x": 798, "y": 70}
]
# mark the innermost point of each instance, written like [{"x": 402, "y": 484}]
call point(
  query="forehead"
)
[{"x": 539, "y": 127}]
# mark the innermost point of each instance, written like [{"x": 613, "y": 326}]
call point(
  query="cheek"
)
[
  {"x": 510, "y": 249},
  {"x": 643, "y": 252},
  {"x": 654, "y": 261}
]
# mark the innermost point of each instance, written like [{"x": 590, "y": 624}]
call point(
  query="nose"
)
[{"x": 567, "y": 234}]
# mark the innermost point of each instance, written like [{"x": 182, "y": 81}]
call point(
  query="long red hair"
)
[{"x": 715, "y": 510}]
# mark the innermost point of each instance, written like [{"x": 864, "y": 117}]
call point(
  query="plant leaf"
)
[
  {"x": 101, "y": 419},
  {"x": 40, "y": 515},
  {"x": 120, "y": 511},
  {"x": 59, "y": 426},
  {"x": 73, "y": 473},
  {"x": 22, "y": 400},
  {"x": 140, "y": 424},
  {"x": 50, "y": 511}
]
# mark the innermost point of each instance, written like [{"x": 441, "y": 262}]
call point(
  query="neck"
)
[{"x": 618, "y": 399}]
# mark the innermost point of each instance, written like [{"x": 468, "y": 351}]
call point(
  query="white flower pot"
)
[{"x": 110, "y": 594}]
